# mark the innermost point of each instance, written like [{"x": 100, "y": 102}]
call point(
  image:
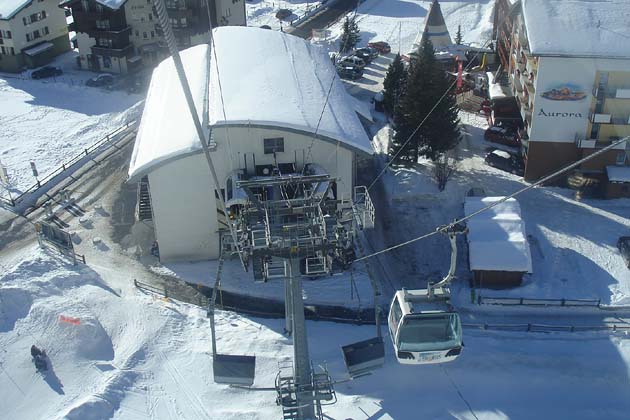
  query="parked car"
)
[
  {"x": 371, "y": 52},
  {"x": 352, "y": 61},
  {"x": 349, "y": 72},
  {"x": 506, "y": 161},
  {"x": 100, "y": 80},
  {"x": 283, "y": 14},
  {"x": 265, "y": 27},
  {"x": 381, "y": 46},
  {"x": 624, "y": 248},
  {"x": 47, "y": 71},
  {"x": 502, "y": 136}
]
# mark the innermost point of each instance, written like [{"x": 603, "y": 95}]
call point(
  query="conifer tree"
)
[
  {"x": 393, "y": 84},
  {"x": 422, "y": 116},
  {"x": 350, "y": 36},
  {"x": 458, "y": 36}
]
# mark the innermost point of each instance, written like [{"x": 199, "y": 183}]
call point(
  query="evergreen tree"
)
[
  {"x": 350, "y": 36},
  {"x": 458, "y": 36},
  {"x": 428, "y": 136},
  {"x": 393, "y": 84}
]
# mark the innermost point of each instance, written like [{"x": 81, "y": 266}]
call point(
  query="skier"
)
[{"x": 39, "y": 358}]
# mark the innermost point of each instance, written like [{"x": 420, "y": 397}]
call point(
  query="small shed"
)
[{"x": 498, "y": 251}]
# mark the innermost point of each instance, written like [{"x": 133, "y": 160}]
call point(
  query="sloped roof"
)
[
  {"x": 267, "y": 78},
  {"x": 435, "y": 29},
  {"x": 582, "y": 28},
  {"x": 8, "y": 8}
]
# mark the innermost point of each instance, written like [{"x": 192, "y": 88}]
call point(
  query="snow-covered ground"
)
[
  {"x": 573, "y": 243},
  {"x": 133, "y": 356},
  {"x": 49, "y": 121},
  {"x": 263, "y": 12},
  {"x": 399, "y": 21},
  {"x": 129, "y": 355}
]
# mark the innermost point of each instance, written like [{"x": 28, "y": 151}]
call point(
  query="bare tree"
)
[{"x": 444, "y": 166}]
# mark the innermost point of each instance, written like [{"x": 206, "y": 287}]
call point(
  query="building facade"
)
[
  {"x": 124, "y": 35},
  {"x": 32, "y": 33},
  {"x": 252, "y": 132},
  {"x": 573, "y": 92}
]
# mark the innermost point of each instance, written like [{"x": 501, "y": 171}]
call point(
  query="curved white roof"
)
[{"x": 267, "y": 78}]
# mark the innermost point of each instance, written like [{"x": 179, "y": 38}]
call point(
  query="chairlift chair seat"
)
[{"x": 234, "y": 370}]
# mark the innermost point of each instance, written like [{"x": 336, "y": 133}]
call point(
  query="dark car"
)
[
  {"x": 100, "y": 80},
  {"x": 366, "y": 57},
  {"x": 381, "y": 46},
  {"x": 45, "y": 72},
  {"x": 506, "y": 161},
  {"x": 624, "y": 249},
  {"x": 502, "y": 136},
  {"x": 265, "y": 27},
  {"x": 283, "y": 14},
  {"x": 349, "y": 72},
  {"x": 371, "y": 52}
]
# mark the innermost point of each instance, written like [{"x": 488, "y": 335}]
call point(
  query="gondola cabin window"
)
[{"x": 274, "y": 145}]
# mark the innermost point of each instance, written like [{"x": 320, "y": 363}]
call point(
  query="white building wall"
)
[
  {"x": 560, "y": 120},
  {"x": 231, "y": 12},
  {"x": 55, "y": 21},
  {"x": 184, "y": 210},
  {"x": 184, "y": 205}
]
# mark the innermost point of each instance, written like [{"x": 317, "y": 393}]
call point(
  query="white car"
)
[{"x": 352, "y": 61}]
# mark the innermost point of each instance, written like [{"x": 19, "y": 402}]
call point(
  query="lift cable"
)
[
  {"x": 413, "y": 133},
  {"x": 321, "y": 114},
  {"x": 387, "y": 164},
  {"x": 445, "y": 228}
]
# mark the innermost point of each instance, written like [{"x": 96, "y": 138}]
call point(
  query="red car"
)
[
  {"x": 502, "y": 136},
  {"x": 381, "y": 46}
]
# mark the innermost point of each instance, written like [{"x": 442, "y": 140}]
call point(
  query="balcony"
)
[
  {"x": 113, "y": 52},
  {"x": 588, "y": 143},
  {"x": 597, "y": 118}
]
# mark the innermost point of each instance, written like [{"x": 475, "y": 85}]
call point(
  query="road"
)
[{"x": 323, "y": 19}]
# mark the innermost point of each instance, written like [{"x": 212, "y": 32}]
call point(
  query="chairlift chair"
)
[{"x": 422, "y": 325}]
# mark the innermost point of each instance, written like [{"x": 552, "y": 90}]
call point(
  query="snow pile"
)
[{"x": 591, "y": 28}]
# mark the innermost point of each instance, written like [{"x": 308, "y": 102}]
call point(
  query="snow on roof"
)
[
  {"x": 275, "y": 80},
  {"x": 280, "y": 80},
  {"x": 8, "y": 8},
  {"x": 618, "y": 173},
  {"x": 591, "y": 28},
  {"x": 38, "y": 49},
  {"x": 496, "y": 238},
  {"x": 166, "y": 130}
]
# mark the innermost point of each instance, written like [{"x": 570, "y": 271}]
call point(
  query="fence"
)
[
  {"x": 174, "y": 293},
  {"x": 547, "y": 328},
  {"x": 109, "y": 141},
  {"x": 510, "y": 301}
]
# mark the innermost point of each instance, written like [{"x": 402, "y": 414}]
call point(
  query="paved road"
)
[{"x": 322, "y": 19}]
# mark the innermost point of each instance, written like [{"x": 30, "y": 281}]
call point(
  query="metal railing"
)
[
  {"x": 110, "y": 140},
  {"x": 511, "y": 301}
]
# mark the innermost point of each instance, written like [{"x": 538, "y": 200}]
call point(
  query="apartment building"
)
[
  {"x": 32, "y": 33},
  {"x": 568, "y": 66},
  {"x": 120, "y": 36}
]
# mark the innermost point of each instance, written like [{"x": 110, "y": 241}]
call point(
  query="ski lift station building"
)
[{"x": 269, "y": 104}]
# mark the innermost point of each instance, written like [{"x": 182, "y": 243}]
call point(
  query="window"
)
[
  {"x": 137, "y": 33},
  {"x": 46, "y": 31},
  {"x": 102, "y": 24},
  {"x": 621, "y": 158},
  {"x": 144, "y": 35},
  {"x": 104, "y": 42},
  {"x": 36, "y": 34},
  {"x": 274, "y": 145},
  {"x": 107, "y": 62},
  {"x": 28, "y": 37},
  {"x": 152, "y": 34},
  {"x": 99, "y": 8},
  {"x": 86, "y": 5},
  {"x": 12, "y": 51},
  {"x": 150, "y": 16},
  {"x": 43, "y": 14},
  {"x": 3, "y": 50},
  {"x": 34, "y": 17},
  {"x": 9, "y": 34},
  {"x": 24, "y": 21}
]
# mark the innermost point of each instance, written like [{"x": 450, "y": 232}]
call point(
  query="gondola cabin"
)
[{"x": 424, "y": 329}]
